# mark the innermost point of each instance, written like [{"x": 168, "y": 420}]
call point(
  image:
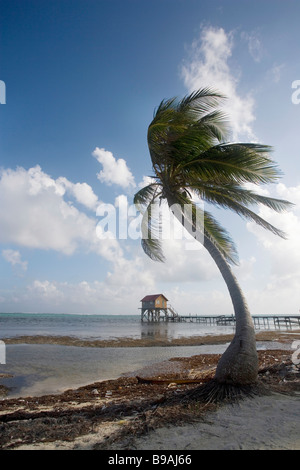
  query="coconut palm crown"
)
[{"x": 191, "y": 159}]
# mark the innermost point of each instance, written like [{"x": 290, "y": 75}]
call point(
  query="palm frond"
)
[
  {"x": 152, "y": 248},
  {"x": 209, "y": 226},
  {"x": 197, "y": 102},
  {"x": 277, "y": 205},
  {"x": 150, "y": 228},
  {"x": 236, "y": 163},
  {"x": 182, "y": 129},
  {"x": 189, "y": 153},
  {"x": 198, "y": 137},
  {"x": 220, "y": 238},
  {"x": 201, "y": 101},
  {"x": 146, "y": 196},
  {"x": 215, "y": 123},
  {"x": 145, "y": 200},
  {"x": 164, "y": 106},
  {"x": 223, "y": 195},
  {"x": 237, "y": 199},
  {"x": 246, "y": 213}
]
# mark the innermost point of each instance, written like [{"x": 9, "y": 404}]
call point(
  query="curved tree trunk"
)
[{"x": 239, "y": 363}]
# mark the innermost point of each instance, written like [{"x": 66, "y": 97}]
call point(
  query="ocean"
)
[
  {"x": 37, "y": 369},
  {"x": 101, "y": 327}
]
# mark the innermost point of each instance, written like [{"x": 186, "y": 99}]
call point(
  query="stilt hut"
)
[{"x": 154, "y": 308}]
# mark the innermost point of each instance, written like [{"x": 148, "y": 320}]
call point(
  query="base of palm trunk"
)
[
  {"x": 236, "y": 373},
  {"x": 238, "y": 365},
  {"x": 220, "y": 392}
]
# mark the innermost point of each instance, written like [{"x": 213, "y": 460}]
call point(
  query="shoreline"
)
[
  {"x": 283, "y": 336},
  {"x": 14, "y": 382},
  {"x": 125, "y": 413}
]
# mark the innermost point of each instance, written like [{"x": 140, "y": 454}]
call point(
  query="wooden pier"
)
[
  {"x": 207, "y": 319},
  {"x": 276, "y": 320},
  {"x": 260, "y": 321},
  {"x": 155, "y": 308}
]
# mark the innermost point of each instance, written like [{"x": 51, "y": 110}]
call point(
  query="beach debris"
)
[
  {"x": 135, "y": 407},
  {"x": 158, "y": 381},
  {"x": 122, "y": 422},
  {"x": 95, "y": 391},
  {"x": 172, "y": 385},
  {"x": 108, "y": 394}
]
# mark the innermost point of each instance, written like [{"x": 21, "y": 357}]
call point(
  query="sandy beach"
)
[
  {"x": 263, "y": 423},
  {"x": 149, "y": 410}
]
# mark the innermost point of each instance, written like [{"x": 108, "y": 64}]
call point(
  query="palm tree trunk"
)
[{"x": 239, "y": 363}]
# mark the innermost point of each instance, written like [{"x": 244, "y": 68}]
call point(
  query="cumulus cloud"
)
[
  {"x": 208, "y": 65},
  {"x": 14, "y": 258},
  {"x": 115, "y": 171},
  {"x": 35, "y": 213},
  {"x": 82, "y": 192}
]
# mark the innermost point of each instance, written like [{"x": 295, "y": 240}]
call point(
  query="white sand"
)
[{"x": 271, "y": 422}]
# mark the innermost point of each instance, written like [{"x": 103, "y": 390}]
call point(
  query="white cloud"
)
[
  {"x": 183, "y": 264},
  {"x": 292, "y": 194},
  {"x": 82, "y": 192},
  {"x": 39, "y": 182},
  {"x": 146, "y": 181},
  {"x": 257, "y": 189},
  {"x": 46, "y": 289},
  {"x": 208, "y": 65},
  {"x": 114, "y": 171},
  {"x": 125, "y": 284},
  {"x": 14, "y": 258},
  {"x": 35, "y": 214},
  {"x": 119, "y": 293}
]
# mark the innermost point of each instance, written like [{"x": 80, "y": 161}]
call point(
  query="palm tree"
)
[{"x": 191, "y": 158}]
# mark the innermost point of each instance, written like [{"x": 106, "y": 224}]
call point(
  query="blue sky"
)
[{"x": 82, "y": 80}]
